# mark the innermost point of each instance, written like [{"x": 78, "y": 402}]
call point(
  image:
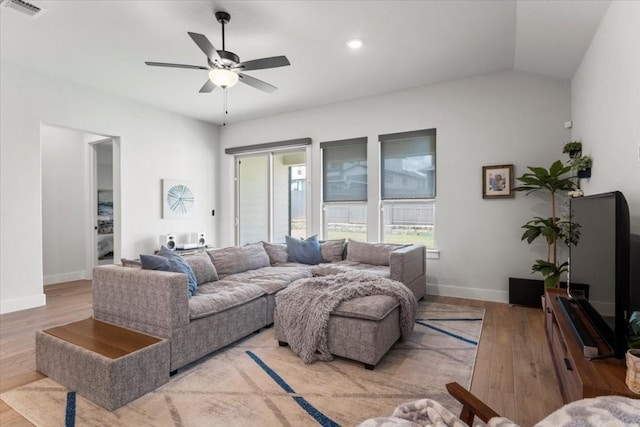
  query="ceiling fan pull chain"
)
[{"x": 224, "y": 107}]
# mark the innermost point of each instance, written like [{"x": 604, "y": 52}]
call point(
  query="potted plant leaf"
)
[
  {"x": 553, "y": 228},
  {"x": 582, "y": 165},
  {"x": 573, "y": 148},
  {"x": 633, "y": 354}
]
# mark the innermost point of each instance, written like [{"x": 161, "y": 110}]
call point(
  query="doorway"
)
[{"x": 104, "y": 225}]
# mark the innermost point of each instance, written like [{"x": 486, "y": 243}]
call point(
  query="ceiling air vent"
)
[{"x": 24, "y": 7}]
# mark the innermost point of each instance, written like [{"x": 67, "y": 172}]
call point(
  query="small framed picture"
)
[
  {"x": 178, "y": 199},
  {"x": 497, "y": 181}
]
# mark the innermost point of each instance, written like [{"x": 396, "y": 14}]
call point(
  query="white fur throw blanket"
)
[
  {"x": 420, "y": 413},
  {"x": 303, "y": 308},
  {"x": 603, "y": 411}
]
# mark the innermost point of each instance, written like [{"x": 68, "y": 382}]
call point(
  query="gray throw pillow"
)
[
  {"x": 277, "y": 252},
  {"x": 332, "y": 250},
  {"x": 202, "y": 267},
  {"x": 133, "y": 263}
]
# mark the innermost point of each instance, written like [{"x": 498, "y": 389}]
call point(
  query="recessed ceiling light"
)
[{"x": 355, "y": 43}]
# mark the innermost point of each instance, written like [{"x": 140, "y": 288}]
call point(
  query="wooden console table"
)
[{"x": 580, "y": 377}]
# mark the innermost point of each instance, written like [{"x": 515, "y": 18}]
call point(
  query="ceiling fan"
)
[{"x": 225, "y": 68}]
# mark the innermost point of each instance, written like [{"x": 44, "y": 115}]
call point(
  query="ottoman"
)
[
  {"x": 361, "y": 329},
  {"x": 104, "y": 363}
]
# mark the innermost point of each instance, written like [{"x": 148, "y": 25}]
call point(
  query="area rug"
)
[{"x": 255, "y": 382}]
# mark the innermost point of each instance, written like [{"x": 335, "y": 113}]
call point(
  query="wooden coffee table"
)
[{"x": 105, "y": 363}]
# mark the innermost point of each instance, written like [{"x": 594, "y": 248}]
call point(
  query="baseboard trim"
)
[
  {"x": 18, "y": 304},
  {"x": 470, "y": 293},
  {"x": 65, "y": 277}
]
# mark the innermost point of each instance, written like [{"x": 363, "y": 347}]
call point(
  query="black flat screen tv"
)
[{"x": 602, "y": 259}]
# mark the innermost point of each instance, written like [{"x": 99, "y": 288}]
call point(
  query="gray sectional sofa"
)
[{"x": 236, "y": 290}]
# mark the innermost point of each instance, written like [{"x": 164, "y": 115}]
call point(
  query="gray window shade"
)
[
  {"x": 408, "y": 165},
  {"x": 344, "y": 170}
]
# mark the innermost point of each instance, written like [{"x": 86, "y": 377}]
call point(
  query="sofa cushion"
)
[
  {"x": 373, "y": 307},
  {"x": 236, "y": 259},
  {"x": 162, "y": 263},
  {"x": 345, "y": 266},
  {"x": 370, "y": 253},
  {"x": 215, "y": 297},
  {"x": 202, "y": 267},
  {"x": 332, "y": 250},
  {"x": 273, "y": 279},
  {"x": 304, "y": 251},
  {"x": 277, "y": 252},
  {"x": 179, "y": 265}
]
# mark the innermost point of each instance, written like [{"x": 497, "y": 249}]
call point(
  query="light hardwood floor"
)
[{"x": 513, "y": 372}]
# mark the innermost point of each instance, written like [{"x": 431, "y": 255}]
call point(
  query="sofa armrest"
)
[
  {"x": 408, "y": 264},
  {"x": 154, "y": 302}
]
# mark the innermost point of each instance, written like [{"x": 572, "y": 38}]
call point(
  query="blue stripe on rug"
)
[
  {"x": 448, "y": 333},
  {"x": 322, "y": 419},
  {"x": 70, "y": 411},
  {"x": 317, "y": 415},
  {"x": 277, "y": 378}
]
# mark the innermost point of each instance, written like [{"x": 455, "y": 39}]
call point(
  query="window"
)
[
  {"x": 344, "y": 188},
  {"x": 408, "y": 187}
]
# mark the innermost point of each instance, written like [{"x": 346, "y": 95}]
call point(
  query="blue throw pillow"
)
[
  {"x": 179, "y": 265},
  {"x": 155, "y": 262},
  {"x": 304, "y": 251}
]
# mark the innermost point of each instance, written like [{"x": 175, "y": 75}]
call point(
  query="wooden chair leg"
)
[{"x": 471, "y": 405}]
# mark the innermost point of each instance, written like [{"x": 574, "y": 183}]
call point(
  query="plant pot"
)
[
  {"x": 575, "y": 153},
  {"x": 584, "y": 173},
  {"x": 551, "y": 281},
  {"x": 633, "y": 370}
]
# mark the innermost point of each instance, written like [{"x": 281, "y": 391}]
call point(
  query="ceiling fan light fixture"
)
[
  {"x": 223, "y": 78},
  {"x": 355, "y": 43}
]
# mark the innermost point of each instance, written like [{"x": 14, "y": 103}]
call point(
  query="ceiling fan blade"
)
[
  {"x": 205, "y": 45},
  {"x": 261, "y": 64},
  {"x": 207, "y": 87},
  {"x": 165, "y": 64},
  {"x": 258, "y": 84}
]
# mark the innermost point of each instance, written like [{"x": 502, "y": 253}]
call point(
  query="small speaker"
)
[
  {"x": 168, "y": 240},
  {"x": 199, "y": 238}
]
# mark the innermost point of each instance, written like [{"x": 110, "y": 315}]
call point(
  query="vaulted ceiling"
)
[{"x": 104, "y": 44}]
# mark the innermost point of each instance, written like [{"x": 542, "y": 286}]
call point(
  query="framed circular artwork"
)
[{"x": 178, "y": 199}]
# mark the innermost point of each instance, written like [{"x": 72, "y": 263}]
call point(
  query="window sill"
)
[{"x": 433, "y": 254}]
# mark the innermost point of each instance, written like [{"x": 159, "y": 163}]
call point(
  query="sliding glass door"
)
[{"x": 271, "y": 196}]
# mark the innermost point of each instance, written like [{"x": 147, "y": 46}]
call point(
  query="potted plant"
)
[
  {"x": 574, "y": 148},
  {"x": 555, "y": 179},
  {"x": 583, "y": 165},
  {"x": 633, "y": 354}
]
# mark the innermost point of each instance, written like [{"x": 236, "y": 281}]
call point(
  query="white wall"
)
[
  {"x": 153, "y": 145},
  {"x": 606, "y": 106},
  {"x": 64, "y": 204},
  {"x": 499, "y": 118}
]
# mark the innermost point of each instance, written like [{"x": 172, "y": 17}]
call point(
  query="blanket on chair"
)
[{"x": 303, "y": 309}]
